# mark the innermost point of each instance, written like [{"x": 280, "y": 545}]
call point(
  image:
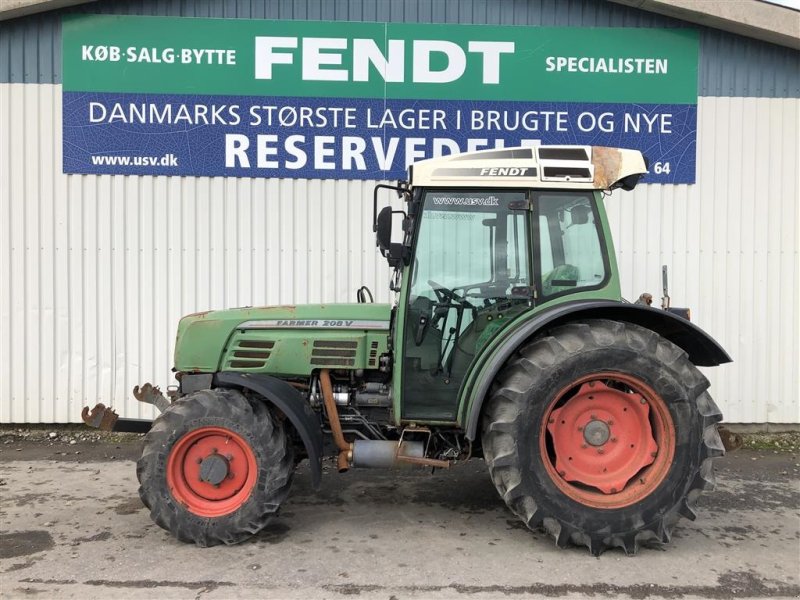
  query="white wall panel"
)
[
  {"x": 95, "y": 271},
  {"x": 731, "y": 243}
]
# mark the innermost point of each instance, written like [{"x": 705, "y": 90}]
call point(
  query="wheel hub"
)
[
  {"x": 214, "y": 469},
  {"x": 602, "y": 437},
  {"x": 596, "y": 433},
  {"x": 211, "y": 471}
]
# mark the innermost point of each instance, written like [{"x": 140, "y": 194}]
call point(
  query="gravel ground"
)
[{"x": 72, "y": 526}]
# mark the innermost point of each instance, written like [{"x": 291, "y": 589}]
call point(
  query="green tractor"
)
[{"x": 509, "y": 340}]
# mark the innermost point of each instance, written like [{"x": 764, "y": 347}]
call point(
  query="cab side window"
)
[{"x": 570, "y": 245}]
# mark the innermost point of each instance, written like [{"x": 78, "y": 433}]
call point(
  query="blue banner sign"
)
[{"x": 245, "y": 136}]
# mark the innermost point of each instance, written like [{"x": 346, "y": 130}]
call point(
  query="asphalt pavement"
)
[{"x": 72, "y": 526}]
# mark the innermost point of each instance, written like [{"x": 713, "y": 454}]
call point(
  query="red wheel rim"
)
[
  {"x": 211, "y": 471},
  {"x": 607, "y": 440}
]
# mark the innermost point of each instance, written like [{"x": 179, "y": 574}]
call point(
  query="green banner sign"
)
[
  {"x": 323, "y": 99},
  {"x": 379, "y": 60}
]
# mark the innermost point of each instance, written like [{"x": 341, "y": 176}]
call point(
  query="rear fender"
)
[
  {"x": 702, "y": 349},
  {"x": 291, "y": 403}
]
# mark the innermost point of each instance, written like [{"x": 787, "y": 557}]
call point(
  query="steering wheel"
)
[{"x": 446, "y": 295}]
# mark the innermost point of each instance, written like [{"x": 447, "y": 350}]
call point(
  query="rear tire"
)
[
  {"x": 215, "y": 467},
  {"x": 562, "y": 463}
]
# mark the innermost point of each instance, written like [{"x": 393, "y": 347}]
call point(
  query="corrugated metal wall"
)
[
  {"x": 100, "y": 268},
  {"x": 732, "y": 243},
  {"x": 95, "y": 271}
]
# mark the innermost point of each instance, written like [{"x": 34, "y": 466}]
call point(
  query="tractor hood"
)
[{"x": 230, "y": 339}]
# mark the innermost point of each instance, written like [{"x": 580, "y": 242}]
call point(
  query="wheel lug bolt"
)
[
  {"x": 551, "y": 421},
  {"x": 584, "y": 446},
  {"x": 230, "y": 475},
  {"x": 600, "y": 451},
  {"x": 643, "y": 401},
  {"x": 562, "y": 473},
  {"x": 229, "y": 456},
  {"x": 591, "y": 384},
  {"x": 199, "y": 460},
  {"x": 580, "y": 428},
  {"x": 610, "y": 423},
  {"x": 613, "y": 439},
  {"x": 613, "y": 490},
  {"x": 593, "y": 418},
  {"x": 213, "y": 451}
]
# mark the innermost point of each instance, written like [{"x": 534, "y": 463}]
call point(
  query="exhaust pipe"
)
[
  {"x": 345, "y": 449},
  {"x": 371, "y": 453},
  {"x": 385, "y": 454}
]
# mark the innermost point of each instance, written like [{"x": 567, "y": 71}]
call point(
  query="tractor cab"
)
[{"x": 489, "y": 236}]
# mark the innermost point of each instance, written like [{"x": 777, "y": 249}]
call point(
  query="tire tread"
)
[
  {"x": 512, "y": 389},
  {"x": 231, "y": 406}
]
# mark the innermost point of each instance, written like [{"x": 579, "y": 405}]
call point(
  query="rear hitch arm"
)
[
  {"x": 106, "y": 418},
  {"x": 151, "y": 394}
]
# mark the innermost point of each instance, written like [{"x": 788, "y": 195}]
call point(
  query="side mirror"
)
[
  {"x": 394, "y": 253},
  {"x": 383, "y": 229}
]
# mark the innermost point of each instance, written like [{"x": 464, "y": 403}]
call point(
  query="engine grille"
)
[
  {"x": 334, "y": 353},
  {"x": 373, "y": 354},
  {"x": 251, "y": 354}
]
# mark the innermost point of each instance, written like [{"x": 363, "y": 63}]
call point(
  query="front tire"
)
[
  {"x": 215, "y": 467},
  {"x": 601, "y": 433}
]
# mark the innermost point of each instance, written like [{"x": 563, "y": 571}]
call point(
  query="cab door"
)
[{"x": 469, "y": 277}]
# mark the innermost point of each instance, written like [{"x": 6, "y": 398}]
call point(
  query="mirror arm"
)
[
  {"x": 401, "y": 188},
  {"x": 396, "y": 254}
]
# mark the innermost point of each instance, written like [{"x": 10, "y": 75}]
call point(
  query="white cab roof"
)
[{"x": 563, "y": 167}]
